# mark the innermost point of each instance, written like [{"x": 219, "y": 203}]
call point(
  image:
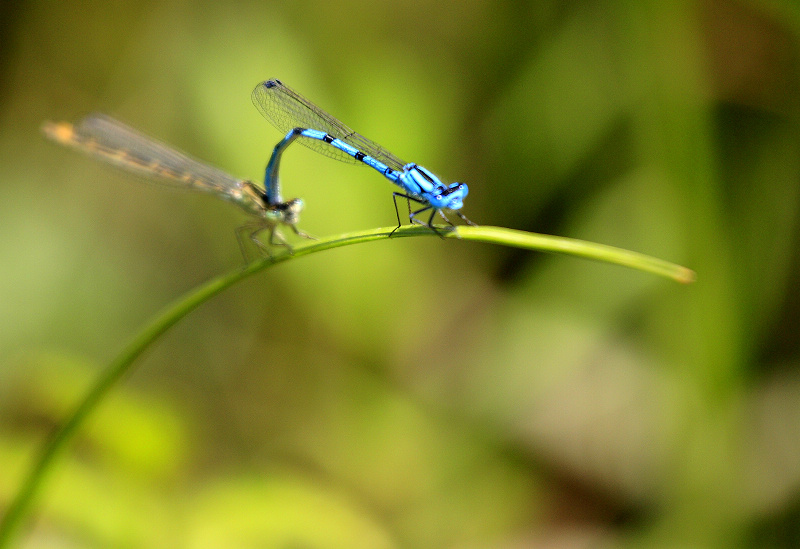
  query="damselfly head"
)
[
  {"x": 291, "y": 210},
  {"x": 450, "y": 197}
]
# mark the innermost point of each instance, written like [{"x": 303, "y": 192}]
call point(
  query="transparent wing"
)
[
  {"x": 112, "y": 141},
  {"x": 286, "y": 109}
]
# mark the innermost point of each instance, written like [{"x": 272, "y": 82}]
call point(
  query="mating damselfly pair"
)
[{"x": 296, "y": 117}]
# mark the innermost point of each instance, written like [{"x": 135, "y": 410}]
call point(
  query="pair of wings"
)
[{"x": 110, "y": 140}]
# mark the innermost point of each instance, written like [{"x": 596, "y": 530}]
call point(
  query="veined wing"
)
[
  {"x": 114, "y": 142},
  {"x": 286, "y": 109}
]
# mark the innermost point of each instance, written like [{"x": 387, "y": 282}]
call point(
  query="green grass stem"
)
[{"x": 183, "y": 306}]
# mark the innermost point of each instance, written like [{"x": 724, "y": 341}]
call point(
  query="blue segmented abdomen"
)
[{"x": 348, "y": 149}]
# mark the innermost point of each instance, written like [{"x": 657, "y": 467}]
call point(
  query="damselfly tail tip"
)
[{"x": 61, "y": 132}]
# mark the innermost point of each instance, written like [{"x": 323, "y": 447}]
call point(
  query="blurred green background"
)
[{"x": 415, "y": 392}]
